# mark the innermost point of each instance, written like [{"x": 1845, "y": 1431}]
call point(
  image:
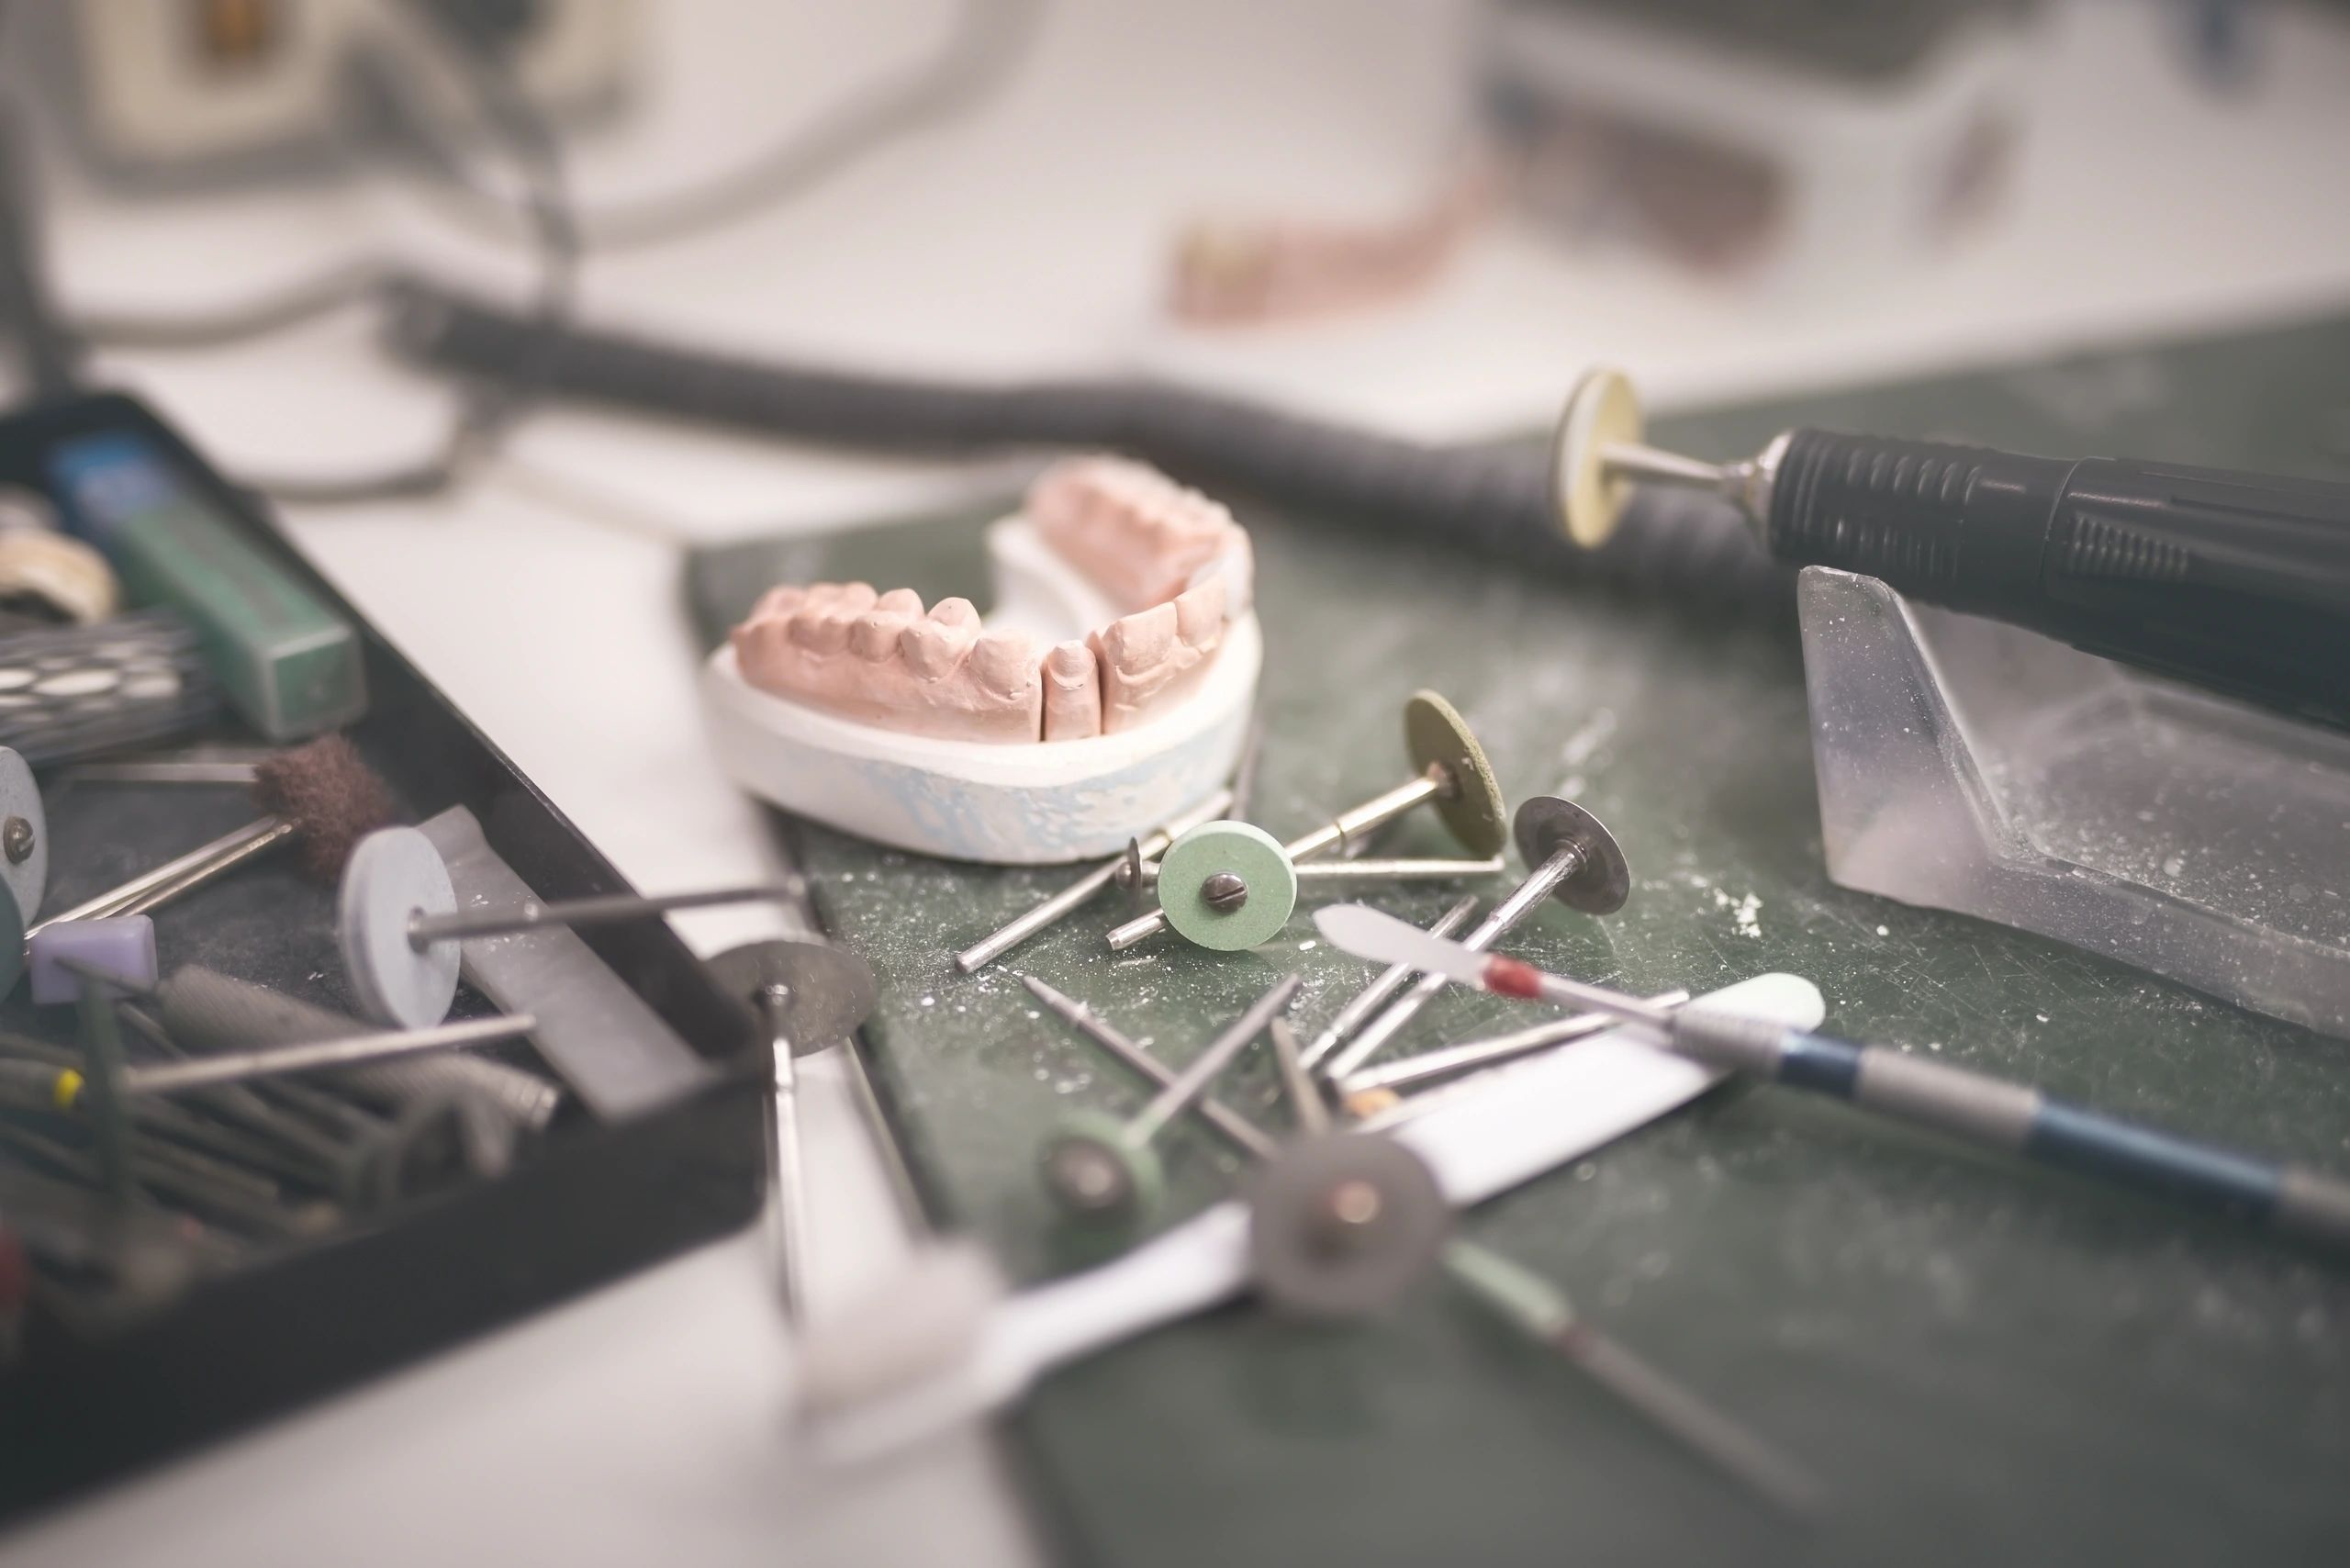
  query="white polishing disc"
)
[
  {"x": 395, "y": 875},
  {"x": 1602, "y": 411}
]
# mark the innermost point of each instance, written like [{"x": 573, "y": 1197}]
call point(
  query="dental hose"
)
[{"x": 1491, "y": 500}]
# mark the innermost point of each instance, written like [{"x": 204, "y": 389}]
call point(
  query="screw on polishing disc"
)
[
  {"x": 394, "y": 875},
  {"x": 1602, "y": 411},
  {"x": 1474, "y": 812},
  {"x": 1546, "y": 824},
  {"x": 1250, "y": 853},
  {"x": 828, "y": 990},
  {"x": 1094, "y": 1172},
  {"x": 1340, "y": 1226},
  {"x": 24, "y": 856}
]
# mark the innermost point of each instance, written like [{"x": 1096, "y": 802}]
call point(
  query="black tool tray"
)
[{"x": 589, "y": 1202}]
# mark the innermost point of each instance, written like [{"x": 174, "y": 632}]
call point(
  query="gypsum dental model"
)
[
  {"x": 1109, "y": 691},
  {"x": 944, "y": 1343}
]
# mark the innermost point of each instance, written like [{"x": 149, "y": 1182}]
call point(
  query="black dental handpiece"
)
[{"x": 2240, "y": 582}]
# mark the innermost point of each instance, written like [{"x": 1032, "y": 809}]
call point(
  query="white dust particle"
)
[
  {"x": 1934, "y": 1044},
  {"x": 1743, "y": 911},
  {"x": 1308, "y": 946},
  {"x": 1885, "y": 931},
  {"x": 2041, "y": 1017},
  {"x": 930, "y": 1002}
]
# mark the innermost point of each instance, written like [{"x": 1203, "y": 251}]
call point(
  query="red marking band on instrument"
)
[{"x": 1508, "y": 976}]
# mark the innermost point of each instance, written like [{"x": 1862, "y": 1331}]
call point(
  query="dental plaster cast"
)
[{"x": 1108, "y": 690}]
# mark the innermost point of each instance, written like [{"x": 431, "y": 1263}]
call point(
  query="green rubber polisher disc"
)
[
  {"x": 1095, "y": 1172},
  {"x": 1435, "y": 735},
  {"x": 1226, "y": 885}
]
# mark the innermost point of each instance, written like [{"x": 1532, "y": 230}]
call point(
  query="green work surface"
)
[{"x": 1984, "y": 1361}]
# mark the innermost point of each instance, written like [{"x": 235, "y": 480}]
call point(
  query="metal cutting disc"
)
[
  {"x": 1250, "y": 853},
  {"x": 1340, "y": 1226},
  {"x": 1473, "y": 811},
  {"x": 24, "y": 851},
  {"x": 1546, "y": 824},
  {"x": 1602, "y": 411},
  {"x": 1093, "y": 1171},
  {"x": 394, "y": 875},
  {"x": 828, "y": 990}
]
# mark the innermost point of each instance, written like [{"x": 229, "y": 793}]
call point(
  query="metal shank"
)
[
  {"x": 1503, "y": 919},
  {"x": 531, "y": 915},
  {"x": 1373, "y": 997},
  {"x": 1086, "y": 888},
  {"x": 1201, "y": 1070}
]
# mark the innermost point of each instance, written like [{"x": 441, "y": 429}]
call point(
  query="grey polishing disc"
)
[
  {"x": 1546, "y": 824},
  {"x": 394, "y": 875},
  {"x": 24, "y": 864},
  {"x": 828, "y": 990},
  {"x": 1340, "y": 1226},
  {"x": 1474, "y": 812}
]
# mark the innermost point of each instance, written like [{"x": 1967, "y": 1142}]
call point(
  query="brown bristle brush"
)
[
  {"x": 331, "y": 798},
  {"x": 320, "y": 795}
]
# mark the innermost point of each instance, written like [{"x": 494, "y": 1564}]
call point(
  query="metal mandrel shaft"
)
[
  {"x": 602, "y": 909},
  {"x": 1190, "y": 1083},
  {"x": 211, "y": 1014},
  {"x": 1335, "y": 833},
  {"x": 1471, "y": 1056},
  {"x": 1543, "y": 1313},
  {"x": 251, "y": 838},
  {"x": 1235, "y": 1128},
  {"x": 1058, "y": 907},
  {"x": 1372, "y": 997},
  {"x": 1504, "y": 918},
  {"x": 234, "y": 1067}
]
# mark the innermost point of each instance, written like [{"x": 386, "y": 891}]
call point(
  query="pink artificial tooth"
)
[
  {"x": 875, "y": 636},
  {"x": 955, "y": 612},
  {"x": 901, "y": 602},
  {"x": 1004, "y": 663},
  {"x": 777, "y": 601},
  {"x": 817, "y": 629},
  {"x": 763, "y": 652},
  {"x": 934, "y": 649},
  {"x": 1072, "y": 679},
  {"x": 1199, "y": 615},
  {"x": 1138, "y": 642}
]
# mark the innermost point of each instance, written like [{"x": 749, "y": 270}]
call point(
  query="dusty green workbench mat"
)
[{"x": 1987, "y": 1362}]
